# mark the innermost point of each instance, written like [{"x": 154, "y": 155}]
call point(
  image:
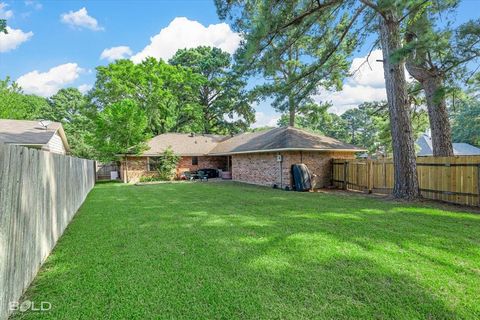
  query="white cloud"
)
[
  {"x": 13, "y": 39},
  {"x": 184, "y": 33},
  {"x": 115, "y": 53},
  {"x": 366, "y": 84},
  {"x": 48, "y": 83},
  {"x": 368, "y": 73},
  {"x": 265, "y": 120},
  {"x": 84, "y": 88},
  {"x": 34, "y": 4},
  {"x": 80, "y": 19},
  {"x": 4, "y": 13}
]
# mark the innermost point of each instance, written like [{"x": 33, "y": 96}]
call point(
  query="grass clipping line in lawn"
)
[{"x": 234, "y": 251}]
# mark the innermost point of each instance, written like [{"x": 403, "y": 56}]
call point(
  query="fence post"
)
[
  {"x": 95, "y": 170},
  {"x": 369, "y": 176},
  {"x": 345, "y": 170},
  {"x": 478, "y": 184},
  {"x": 384, "y": 174}
]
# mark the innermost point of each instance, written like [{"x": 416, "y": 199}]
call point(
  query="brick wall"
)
[
  {"x": 185, "y": 164},
  {"x": 138, "y": 166},
  {"x": 263, "y": 168}
]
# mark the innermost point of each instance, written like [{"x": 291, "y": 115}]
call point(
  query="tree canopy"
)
[
  {"x": 224, "y": 101},
  {"x": 165, "y": 93},
  {"x": 294, "y": 46},
  {"x": 70, "y": 107},
  {"x": 121, "y": 128},
  {"x": 14, "y": 104}
]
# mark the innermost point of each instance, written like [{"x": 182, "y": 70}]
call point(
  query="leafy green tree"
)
[
  {"x": 121, "y": 128},
  {"x": 381, "y": 138},
  {"x": 70, "y": 107},
  {"x": 3, "y": 26},
  {"x": 466, "y": 121},
  {"x": 361, "y": 126},
  {"x": 168, "y": 164},
  {"x": 316, "y": 117},
  {"x": 14, "y": 104},
  {"x": 167, "y": 94},
  {"x": 222, "y": 93}
]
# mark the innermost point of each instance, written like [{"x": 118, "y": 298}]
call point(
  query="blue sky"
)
[{"x": 56, "y": 44}]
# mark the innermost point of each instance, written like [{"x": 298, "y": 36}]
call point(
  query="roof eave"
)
[
  {"x": 286, "y": 149},
  {"x": 63, "y": 136},
  {"x": 159, "y": 154}
]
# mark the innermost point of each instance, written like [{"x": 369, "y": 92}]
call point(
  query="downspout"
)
[{"x": 281, "y": 171}]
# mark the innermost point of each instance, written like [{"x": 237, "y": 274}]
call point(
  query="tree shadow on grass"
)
[{"x": 203, "y": 251}]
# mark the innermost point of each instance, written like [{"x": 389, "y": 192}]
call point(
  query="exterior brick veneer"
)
[
  {"x": 263, "y": 168},
  {"x": 138, "y": 166},
  {"x": 255, "y": 168},
  {"x": 215, "y": 162}
]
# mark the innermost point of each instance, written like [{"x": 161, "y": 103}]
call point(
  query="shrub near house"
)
[{"x": 165, "y": 165}]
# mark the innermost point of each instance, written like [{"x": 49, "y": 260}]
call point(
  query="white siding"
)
[{"x": 55, "y": 144}]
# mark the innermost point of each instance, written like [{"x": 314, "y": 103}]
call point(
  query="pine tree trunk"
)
[
  {"x": 291, "y": 110},
  {"x": 438, "y": 117},
  {"x": 405, "y": 167}
]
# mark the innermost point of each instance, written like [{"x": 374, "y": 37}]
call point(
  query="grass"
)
[{"x": 226, "y": 250}]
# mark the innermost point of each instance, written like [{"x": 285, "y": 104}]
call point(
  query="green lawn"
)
[{"x": 226, "y": 250}]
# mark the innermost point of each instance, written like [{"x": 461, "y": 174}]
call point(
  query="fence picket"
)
[
  {"x": 40, "y": 193},
  {"x": 451, "y": 179}
]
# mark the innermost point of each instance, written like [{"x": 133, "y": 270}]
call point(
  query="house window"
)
[
  {"x": 194, "y": 161},
  {"x": 153, "y": 163}
]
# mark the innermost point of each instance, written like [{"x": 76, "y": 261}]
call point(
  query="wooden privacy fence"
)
[
  {"x": 40, "y": 192},
  {"x": 452, "y": 179},
  {"x": 104, "y": 169}
]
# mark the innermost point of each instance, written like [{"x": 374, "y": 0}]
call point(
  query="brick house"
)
[
  {"x": 193, "y": 150},
  {"x": 263, "y": 157}
]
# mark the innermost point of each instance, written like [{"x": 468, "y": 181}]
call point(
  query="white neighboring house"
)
[
  {"x": 45, "y": 135},
  {"x": 459, "y": 149}
]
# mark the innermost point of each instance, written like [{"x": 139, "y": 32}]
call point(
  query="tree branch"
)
[
  {"x": 300, "y": 17},
  {"x": 335, "y": 47}
]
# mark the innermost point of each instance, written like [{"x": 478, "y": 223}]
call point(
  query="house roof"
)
[
  {"x": 281, "y": 139},
  {"x": 183, "y": 144},
  {"x": 272, "y": 140},
  {"x": 24, "y": 132},
  {"x": 465, "y": 149},
  {"x": 459, "y": 149}
]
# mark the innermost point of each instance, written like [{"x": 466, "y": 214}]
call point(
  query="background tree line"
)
[{"x": 196, "y": 91}]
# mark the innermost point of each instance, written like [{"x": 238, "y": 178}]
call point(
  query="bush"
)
[
  {"x": 150, "y": 179},
  {"x": 168, "y": 164}
]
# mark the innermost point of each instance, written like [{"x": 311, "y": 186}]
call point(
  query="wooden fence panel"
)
[
  {"x": 451, "y": 179},
  {"x": 40, "y": 192}
]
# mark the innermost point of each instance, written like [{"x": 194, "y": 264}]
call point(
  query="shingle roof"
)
[
  {"x": 459, "y": 149},
  {"x": 276, "y": 139},
  {"x": 26, "y": 132},
  {"x": 183, "y": 144},
  {"x": 280, "y": 139},
  {"x": 465, "y": 149}
]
